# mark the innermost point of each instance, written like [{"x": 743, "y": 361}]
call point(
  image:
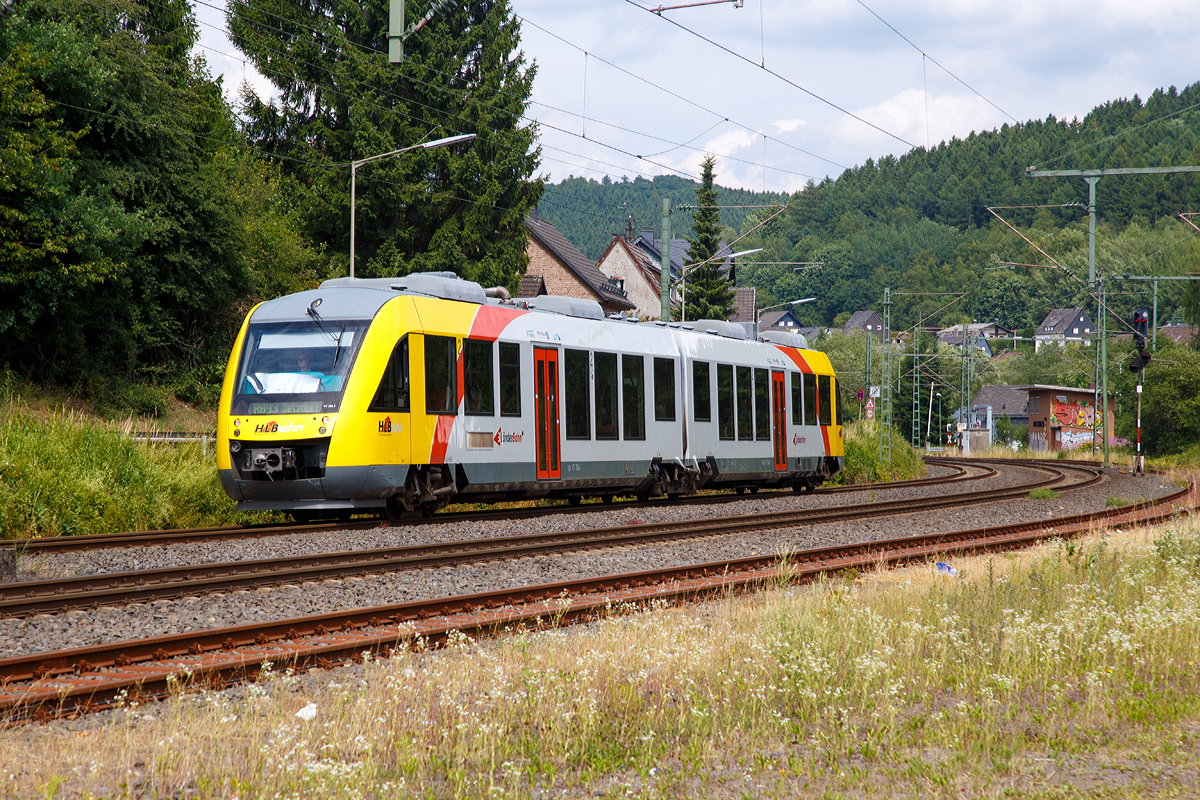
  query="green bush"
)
[
  {"x": 863, "y": 464},
  {"x": 67, "y": 475}
]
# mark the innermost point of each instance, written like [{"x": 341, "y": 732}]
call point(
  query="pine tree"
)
[
  {"x": 707, "y": 292},
  {"x": 459, "y": 208}
]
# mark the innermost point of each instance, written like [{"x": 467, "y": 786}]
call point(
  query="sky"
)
[{"x": 787, "y": 91}]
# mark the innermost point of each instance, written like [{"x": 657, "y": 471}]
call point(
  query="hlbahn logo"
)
[
  {"x": 385, "y": 425},
  {"x": 275, "y": 427},
  {"x": 507, "y": 438}
]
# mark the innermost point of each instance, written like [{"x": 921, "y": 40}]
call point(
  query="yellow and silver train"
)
[{"x": 400, "y": 395}]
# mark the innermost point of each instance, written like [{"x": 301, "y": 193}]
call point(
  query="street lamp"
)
[
  {"x": 781, "y": 305},
  {"x": 354, "y": 165},
  {"x": 685, "y": 270}
]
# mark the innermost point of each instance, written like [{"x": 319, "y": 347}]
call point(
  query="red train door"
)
[
  {"x": 545, "y": 402},
  {"x": 779, "y": 408}
]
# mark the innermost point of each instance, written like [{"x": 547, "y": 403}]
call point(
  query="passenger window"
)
[
  {"x": 824, "y": 406},
  {"x": 633, "y": 395},
  {"x": 664, "y": 390},
  {"x": 606, "y": 395},
  {"x": 479, "y": 394},
  {"x": 701, "y": 397},
  {"x": 510, "y": 380},
  {"x": 762, "y": 404},
  {"x": 837, "y": 402},
  {"x": 745, "y": 404},
  {"x": 797, "y": 400},
  {"x": 725, "y": 401},
  {"x": 810, "y": 397},
  {"x": 441, "y": 375},
  {"x": 579, "y": 413},
  {"x": 392, "y": 394}
]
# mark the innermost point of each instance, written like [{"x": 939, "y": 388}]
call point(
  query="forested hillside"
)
[
  {"x": 590, "y": 212},
  {"x": 920, "y": 223}
]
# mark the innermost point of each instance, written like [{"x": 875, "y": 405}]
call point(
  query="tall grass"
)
[
  {"x": 1078, "y": 657},
  {"x": 863, "y": 463},
  {"x": 63, "y": 474}
]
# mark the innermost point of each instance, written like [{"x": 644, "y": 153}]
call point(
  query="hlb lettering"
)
[
  {"x": 385, "y": 425},
  {"x": 275, "y": 427}
]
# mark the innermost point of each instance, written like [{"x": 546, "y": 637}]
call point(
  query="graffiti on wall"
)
[
  {"x": 1037, "y": 440},
  {"x": 1073, "y": 414},
  {"x": 1072, "y": 440}
]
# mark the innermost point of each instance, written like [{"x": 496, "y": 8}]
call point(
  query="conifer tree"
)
[{"x": 707, "y": 291}]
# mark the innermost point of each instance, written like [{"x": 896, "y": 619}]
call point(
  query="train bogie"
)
[{"x": 402, "y": 395}]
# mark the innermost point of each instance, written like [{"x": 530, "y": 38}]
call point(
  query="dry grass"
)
[{"x": 1064, "y": 671}]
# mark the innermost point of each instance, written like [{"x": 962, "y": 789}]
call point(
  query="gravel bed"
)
[
  {"x": 81, "y": 628},
  {"x": 128, "y": 559}
]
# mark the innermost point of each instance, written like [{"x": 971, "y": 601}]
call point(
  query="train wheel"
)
[
  {"x": 606, "y": 499},
  {"x": 753, "y": 490},
  {"x": 574, "y": 501},
  {"x": 429, "y": 508},
  {"x": 740, "y": 490},
  {"x": 673, "y": 496},
  {"x": 809, "y": 487}
]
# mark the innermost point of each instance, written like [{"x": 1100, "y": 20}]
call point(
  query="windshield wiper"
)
[{"x": 337, "y": 350}]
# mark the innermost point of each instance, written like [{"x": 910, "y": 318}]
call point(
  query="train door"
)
[
  {"x": 545, "y": 402},
  {"x": 779, "y": 410}
]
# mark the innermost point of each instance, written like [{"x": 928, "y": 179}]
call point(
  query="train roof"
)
[{"x": 361, "y": 298}]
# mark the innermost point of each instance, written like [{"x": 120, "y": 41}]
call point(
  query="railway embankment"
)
[{"x": 1038, "y": 672}]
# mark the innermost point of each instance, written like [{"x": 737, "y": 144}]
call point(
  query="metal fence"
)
[{"x": 175, "y": 437}]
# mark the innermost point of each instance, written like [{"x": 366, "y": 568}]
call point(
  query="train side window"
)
[
  {"x": 824, "y": 406},
  {"x": 837, "y": 402},
  {"x": 725, "y": 428},
  {"x": 810, "y": 398},
  {"x": 664, "y": 390},
  {"x": 633, "y": 395},
  {"x": 701, "y": 392},
  {"x": 797, "y": 400},
  {"x": 745, "y": 403},
  {"x": 441, "y": 375},
  {"x": 392, "y": 394},
  {"x": 510, "y": 379},
  {"x": 762, "y": 404},
  {"x": 479, "y": 392},
  {"x": 606, "y": 395},
  {"x": 579, "y": 412}
]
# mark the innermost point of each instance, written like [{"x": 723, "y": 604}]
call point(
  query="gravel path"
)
[{"x": 83, "y": 628}]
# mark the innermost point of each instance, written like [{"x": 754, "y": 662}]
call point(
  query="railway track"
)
[
  {"x": 75, "y": 544},
  {"x": 82, "y": 679},
  {"x": 92, "y": 591}
]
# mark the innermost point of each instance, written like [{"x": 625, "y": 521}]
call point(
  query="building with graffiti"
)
[{"x": 1064, "y": 418}]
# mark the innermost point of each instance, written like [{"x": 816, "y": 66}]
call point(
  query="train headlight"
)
[
  {"x": 235, "y": 447},
  {"x": 321, "y": 429},
  {"x": 324, "y": 421},
  {"x": 236, "y": 432},
  {"x": 237, "y": 423}
]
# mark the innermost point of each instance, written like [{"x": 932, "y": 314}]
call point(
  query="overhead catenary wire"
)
[
  {"x": 584, "y": 136},
  {"x": 925, "y": 55},
  {"x": 778, "y": 76}
]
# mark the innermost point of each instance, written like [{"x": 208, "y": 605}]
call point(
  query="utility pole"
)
[
  {"x": 916, "y": 392},
  {"x": 1092, "y": 176},
  {"x": 666, "y": 260},
  {"x": 396, "y": 31},
  {"x": 885, "y": 383}
]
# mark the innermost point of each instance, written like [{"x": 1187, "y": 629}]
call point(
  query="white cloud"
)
[
  {"x": 787, "y": 125},
  {"x": 905, "y": 115}
]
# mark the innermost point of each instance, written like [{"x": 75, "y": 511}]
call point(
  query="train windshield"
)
[{"x": 296, "y": 367}]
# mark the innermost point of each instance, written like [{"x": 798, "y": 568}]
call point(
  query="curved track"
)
[
  {"x": 75, "y": 544},
  {"x": 84, "y": 678},
  {"x": 91, "y": 591}
]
